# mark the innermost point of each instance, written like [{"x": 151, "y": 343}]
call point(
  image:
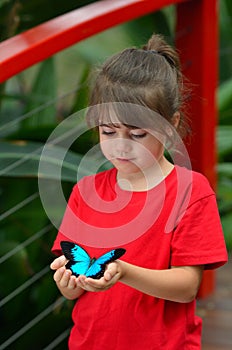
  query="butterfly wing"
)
[
  {"x": 96, "y": 270},
  {"x": 79, "y": 259}
]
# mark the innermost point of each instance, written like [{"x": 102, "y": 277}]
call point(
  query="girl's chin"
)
[{"x": 128, "y": 169}]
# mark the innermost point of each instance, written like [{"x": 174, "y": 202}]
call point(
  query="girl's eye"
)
[
  {"x": 139, "y": 136},
  {"x": 108, "y": 132}
]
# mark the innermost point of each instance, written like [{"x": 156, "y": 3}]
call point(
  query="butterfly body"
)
[{"x": 80, "y": 263}]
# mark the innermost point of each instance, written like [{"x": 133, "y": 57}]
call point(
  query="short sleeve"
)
[
  {"x": 198, "y": 238},
  {"x": 56, "y": 249}
]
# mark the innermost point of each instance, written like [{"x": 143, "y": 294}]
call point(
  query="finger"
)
[
  {"x": 72, "y": 282},
  {"x": 58, "y": 262},
  {"x": 64, "y": 281},
  {"x": 81, "y": 281},
  {"x": 108, "y": 275},
  {"x": 59, "y": 274},
  {"x": 62, "y": 277},
  {"x": 115, "y": 278},
  {"x": 103, "y": 283},
  {"x": 97, "y": 284}
]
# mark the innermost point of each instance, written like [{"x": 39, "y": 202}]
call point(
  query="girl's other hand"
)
[
  {"x": 58, "y": 262},
  {"x": 64, "y": 279}
]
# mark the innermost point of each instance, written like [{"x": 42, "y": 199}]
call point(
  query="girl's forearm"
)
[{"x": 179, "y": 284}]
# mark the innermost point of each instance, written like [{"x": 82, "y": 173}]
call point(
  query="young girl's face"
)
[{"x": 130, "y": 149}]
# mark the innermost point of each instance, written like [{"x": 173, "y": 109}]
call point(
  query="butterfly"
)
[{"x": 80, "y": 263}]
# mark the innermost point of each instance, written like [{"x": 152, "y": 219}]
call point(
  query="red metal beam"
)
[
  {"x": 197, "y": 41},
  {"x": 41, "y": 42}
]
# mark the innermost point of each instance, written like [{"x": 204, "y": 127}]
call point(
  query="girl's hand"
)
[
  {"x": 112, "y": 274},
  {"x": 64, "y": 279}
]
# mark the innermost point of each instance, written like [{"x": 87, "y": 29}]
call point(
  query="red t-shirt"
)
[{"x": 174, "y": 224}]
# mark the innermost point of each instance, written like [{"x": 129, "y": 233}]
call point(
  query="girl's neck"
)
[{"x": 146, "y": 179}]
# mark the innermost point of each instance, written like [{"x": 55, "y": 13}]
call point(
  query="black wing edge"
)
[
  {"x": 69, "y": 267},
  {"x": 66, "y": 247},
  {"x": 118, "y": 253}
]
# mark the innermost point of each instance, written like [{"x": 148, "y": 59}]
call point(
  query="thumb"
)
[{"x": 110, "y": 271}]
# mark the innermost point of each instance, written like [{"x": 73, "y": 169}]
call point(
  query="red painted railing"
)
[
  {"x": 197, "y": 41},
  {"x": 37, "y": 44}
]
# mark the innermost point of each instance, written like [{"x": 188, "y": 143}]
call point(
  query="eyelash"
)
[
  {"x": 107, "y": 133},
  {"x": 136, "y": 136}
]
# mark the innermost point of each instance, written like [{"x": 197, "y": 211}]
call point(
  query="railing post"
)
[{"x": 197, "y": 41}]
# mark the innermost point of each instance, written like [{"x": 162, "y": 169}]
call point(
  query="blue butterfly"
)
[{"x": 80, "y": 263}]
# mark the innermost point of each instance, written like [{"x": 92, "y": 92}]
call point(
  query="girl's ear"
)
[{"x": 176, "y": 119}]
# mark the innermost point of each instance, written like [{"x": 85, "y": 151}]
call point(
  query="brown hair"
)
[{"x": 148, "y": 77}]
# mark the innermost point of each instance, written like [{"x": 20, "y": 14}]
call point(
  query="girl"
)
[{"x": 164, "y": 215}]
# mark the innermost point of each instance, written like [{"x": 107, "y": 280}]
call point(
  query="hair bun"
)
[{"x": 158, "y": 45}]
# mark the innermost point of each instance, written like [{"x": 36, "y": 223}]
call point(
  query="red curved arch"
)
[{"x": 41, "y": 42}]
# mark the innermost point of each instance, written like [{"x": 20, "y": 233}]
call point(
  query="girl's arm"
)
[
  {"x": 65, "y": 282},
  {"x": 179, "y": 284}
]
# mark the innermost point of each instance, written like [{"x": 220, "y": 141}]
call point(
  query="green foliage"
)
[
  {"x": 224, "y": 101},
  {"x": 19, "y": 15},
  {"x": 22, "y": 159},
  {"x": 224, "y": 133},
  {"x": 225, "y": 14},
  {"x": 43, "y": 92}
]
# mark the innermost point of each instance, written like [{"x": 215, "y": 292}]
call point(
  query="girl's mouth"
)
[{"x": 124, "y": 159}]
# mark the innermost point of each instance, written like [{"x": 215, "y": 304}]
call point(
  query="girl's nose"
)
[{"x": 123, "y": 145}]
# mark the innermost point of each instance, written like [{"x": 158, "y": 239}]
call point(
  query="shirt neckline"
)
[{"x": 114, "y": 184}]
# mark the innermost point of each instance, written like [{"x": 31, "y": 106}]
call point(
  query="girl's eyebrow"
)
[
  {"x": 107, "y": 125},
  {"x": 118, "y": 125}
]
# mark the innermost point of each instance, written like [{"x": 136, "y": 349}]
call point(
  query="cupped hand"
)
[
  {"x": 111, "y": 275},
  {"x": 65, "y": 281},
  {"x": 62, "y": 276}
]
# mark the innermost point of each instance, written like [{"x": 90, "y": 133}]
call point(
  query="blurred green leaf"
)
[
  {"x": 225, "y": 169},
  {"x": 225, "y": 102},
  {"x": 227, "y": 229},
  {"x": 3, "y": 2},
  {"x": 224, "y": 192},
  {"x": 159, "y": 22},
  {"x": 36, "y": 11},
  {"x": 224, "y": 140},
  {"x": 40, "y": 133},
  {"x": 22, "y": 159},
  {"x": 17, "y": 270},
  {"x": 225, "y": 15},
  {"x": 43, "y": 93},
  {"x": 9, "y": 18},
  {"x": 81, "y": 98}
]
